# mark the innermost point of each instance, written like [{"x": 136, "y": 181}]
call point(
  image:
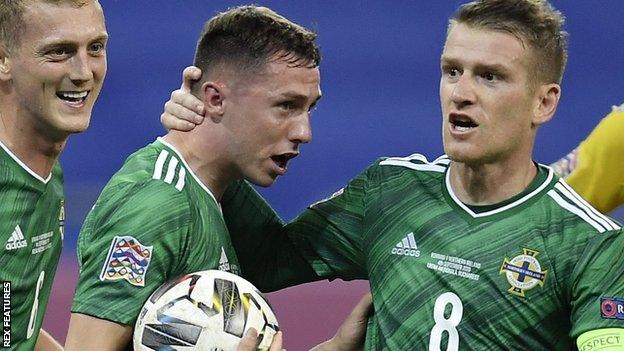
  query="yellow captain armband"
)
[{"x": 611, "y": 339}]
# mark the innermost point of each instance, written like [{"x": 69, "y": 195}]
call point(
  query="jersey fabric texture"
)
[
  {"x": 532, "y": 273},
  {"x": 153, "y": 222},
  {"x": 596, "y": 168},
  {"x": 31, "y": 233}
]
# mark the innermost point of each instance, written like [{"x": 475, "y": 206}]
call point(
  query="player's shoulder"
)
[
  {"x": 576, "y": 212},
  {"x": 154, "y": 175},
  {"x": 158, "y": 165}
]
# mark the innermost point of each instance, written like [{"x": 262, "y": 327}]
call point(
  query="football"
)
[{"x": 208, "y": 310}]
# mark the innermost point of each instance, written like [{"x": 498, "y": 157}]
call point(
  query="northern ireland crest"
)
[{"x": 523, "y": 272}]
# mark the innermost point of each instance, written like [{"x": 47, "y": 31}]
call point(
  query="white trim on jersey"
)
[
  {"x": 190, "y": 171},
  {"x": 414, "y": 156},
  {"x": 180, "y": 184},
  {"x": 500, "y": 209},
  {"x": 562, "y": 185},
  {"x": 577, "y": 211},
  {"x": 160, "y": 162},
  {"x": 415, "y": 166},
  {"x": 568, "y": 199},
  {"x": 171, "y": 168},
  {"x": 26, "y": 168},
  {"x": 406, "y": 162},
  {"x": 444, "y": 159}
]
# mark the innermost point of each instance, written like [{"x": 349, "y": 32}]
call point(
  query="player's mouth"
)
[
  {"x": 461, "y": 123},
  {"x": 73, "y": 98},
  {"x": 281, "y": 161}
]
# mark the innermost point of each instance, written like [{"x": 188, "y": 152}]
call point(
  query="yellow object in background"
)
[{"x": 596, "y": 168}]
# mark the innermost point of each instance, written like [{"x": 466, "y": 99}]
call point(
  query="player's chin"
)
[
  {"x": 77, "y": 123},
  {"x": 264, "y": 180},
  {"x": 462, "y": 153}
]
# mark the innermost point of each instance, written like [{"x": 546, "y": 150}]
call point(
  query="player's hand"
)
[
  {"x": 250, "y": 341},
  {"x": 352, "y": 332},
  {"x": 184, "y": 111},
  {"x": 45, "y": 342}
]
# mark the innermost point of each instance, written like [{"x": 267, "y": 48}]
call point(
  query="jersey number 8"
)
[{"x": 443, "y": 324}]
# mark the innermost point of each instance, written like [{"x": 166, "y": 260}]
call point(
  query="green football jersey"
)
[
  {"x": 532, "y": 273},
  {"x": 153, "y": 222},
  {"x": 31, "y": 231}
]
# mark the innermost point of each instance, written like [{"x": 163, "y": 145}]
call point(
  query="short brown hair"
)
[
  {"x": 535, "y": 22},
  {"x": 248, "y": 37},
  {"x": 12, "y": 19}
]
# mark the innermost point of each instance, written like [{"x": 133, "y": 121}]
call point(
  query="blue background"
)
[{"x": 380, "y": 73}]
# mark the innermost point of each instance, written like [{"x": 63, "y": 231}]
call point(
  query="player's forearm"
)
[
  {"x": 45, "y": 342},
  {"x": 90, "y": 333}
]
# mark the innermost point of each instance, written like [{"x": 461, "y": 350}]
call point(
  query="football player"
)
[
  {"x": 52, "y": 65},
  {"x": 482, "y": 248},
  {"x": 160, "y": 215}
]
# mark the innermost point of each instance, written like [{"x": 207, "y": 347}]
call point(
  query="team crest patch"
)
[
  {"x": 127, "y": 259},
  {"x": 523, "y": 272},
  {"x": 612, "y": 308}
]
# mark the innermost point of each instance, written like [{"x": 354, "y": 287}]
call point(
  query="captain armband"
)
[{"x": 610, "y": 339}]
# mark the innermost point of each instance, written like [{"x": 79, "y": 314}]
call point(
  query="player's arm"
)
[
  {"x": 133, "y": 240},
  {"x": 267, "y": 256},
  {"x": 594, "y": 169},
  {"x": 90, "y": 333},
  {"x": 45, "y": 342},
  {"x": 352, "y": 332},
  {"x": 597, "y": 294},
  {"x": 328, "y": 237},
  {"x": 184, "y": 111}
]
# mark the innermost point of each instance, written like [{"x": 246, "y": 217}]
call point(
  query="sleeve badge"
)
[{"x": 127, "y": 259}]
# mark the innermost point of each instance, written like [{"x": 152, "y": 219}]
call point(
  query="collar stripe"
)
[
  {"x": 25, "y": 167},
  {"x": 415, "y": 166},
  {"x": 518, "y": 202},
  {"x": 190, "y": 170},
  {"x": 577, "y": 211},
  {"x": 575, "y": 198}
]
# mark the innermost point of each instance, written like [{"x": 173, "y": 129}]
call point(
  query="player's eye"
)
[
  {"x": 58, "y": 52},
  {"x": 286, "y": 105},
  {"x": 451, "y": 72},
  {"x": 96, "y": 48},
  {"x": 490, "y": 77}
]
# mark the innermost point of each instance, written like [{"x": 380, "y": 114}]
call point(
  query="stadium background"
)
[{"x": 380, "y": 84}]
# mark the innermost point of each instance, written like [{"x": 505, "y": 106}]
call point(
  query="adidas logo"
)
[
  {"x": 224, "y": 264},
  {"x": 406, "y": 247},
  {"x": 17, "y": 240}
]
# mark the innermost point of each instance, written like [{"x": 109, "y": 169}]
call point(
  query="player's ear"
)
[
  {"x": 214, "y": 94},
  {"x": 5, "y": 64},
  {"x": 548, "y": 96}
]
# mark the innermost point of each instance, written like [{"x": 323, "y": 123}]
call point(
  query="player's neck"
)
[
  {"x": 490, "y": 183},
  {"x": 203, "y": 154},
  {"x": 31, "y": 147}
]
